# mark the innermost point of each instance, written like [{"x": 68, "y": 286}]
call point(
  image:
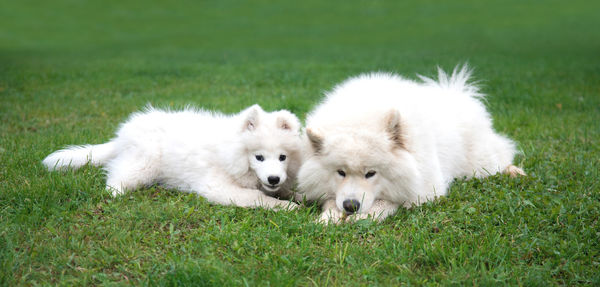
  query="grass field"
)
[{"x": 71, "y": 71}]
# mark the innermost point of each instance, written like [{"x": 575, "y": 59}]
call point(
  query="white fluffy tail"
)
[
  {"x": 459, "y": 80},
  {"x": 77, "y": 156}
]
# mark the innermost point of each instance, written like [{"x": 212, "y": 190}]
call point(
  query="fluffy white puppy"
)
[
  {"x": 242, "y": 159},
  {"x": 380, "y": 141}
]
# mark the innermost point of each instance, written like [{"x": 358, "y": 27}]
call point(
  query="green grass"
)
[{"x": 71, "y": 71}]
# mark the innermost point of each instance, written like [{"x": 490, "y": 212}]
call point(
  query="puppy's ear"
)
[
  {"x": 316, "y": 140},
  {"x": 252, "y": 114},
  {"x": 287, "y": 121},
  {"x": 393, "y": 127}
]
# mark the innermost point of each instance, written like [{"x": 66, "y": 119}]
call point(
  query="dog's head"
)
[
  {"x": 272, "y": 145},
  {"x": 353, "y": 165}
]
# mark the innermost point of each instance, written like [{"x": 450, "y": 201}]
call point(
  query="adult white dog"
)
[
  {"x": 242, "y": 159},
  {"x": 380, "y": 141}
]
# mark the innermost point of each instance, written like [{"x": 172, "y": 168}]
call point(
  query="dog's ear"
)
[
  {"x": 316, "y": 140},
  {"x": 393, "y": 127},
  {"x": 252, "y": 114},
  {"x": 287, "y": 121}
]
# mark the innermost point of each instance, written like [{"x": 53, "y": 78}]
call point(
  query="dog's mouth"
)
[{"x": 271, "y": 188}]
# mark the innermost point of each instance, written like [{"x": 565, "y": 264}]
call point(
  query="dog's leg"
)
[
  {"x": 514, "y": 171},
  {"x": 244, "y": 197},
  {"x": 128, "y": 172},
  {"x": 330, "y": 214},
  {"x": 380, "y": 210}
]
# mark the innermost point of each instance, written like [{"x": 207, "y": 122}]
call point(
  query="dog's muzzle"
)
[{"x": 351, "y": 206}]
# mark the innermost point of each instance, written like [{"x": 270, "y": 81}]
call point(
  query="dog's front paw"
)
[
  {"x": 286, "y": 205},
  {"x": 331, "y": 217},
  {"x": 292, "y": 205}
]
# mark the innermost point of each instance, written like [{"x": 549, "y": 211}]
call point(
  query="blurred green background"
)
[{"x": 70, "y": 71}]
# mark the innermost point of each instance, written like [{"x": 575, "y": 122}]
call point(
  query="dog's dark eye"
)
[
  {"x": 341, "y": 173},
  {"x": 260, "y": 157},
  {"x": 282, "y": 157},
  {"x": 370, "y": 174}
]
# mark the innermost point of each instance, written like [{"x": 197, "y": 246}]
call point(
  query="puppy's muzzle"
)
[{"x": 274, "y": 183}]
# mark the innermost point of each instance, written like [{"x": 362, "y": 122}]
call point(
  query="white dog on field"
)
[
  {"x": 380, "y": 141},
  {"x": 242, "y": 160}
]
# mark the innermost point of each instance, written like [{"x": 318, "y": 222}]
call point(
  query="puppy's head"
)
[{"x": 272, "y": 143}]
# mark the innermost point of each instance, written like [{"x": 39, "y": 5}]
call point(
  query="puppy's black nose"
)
[
  {"x": 351, "y": 205},
  {"x": 273, "y": 179}
]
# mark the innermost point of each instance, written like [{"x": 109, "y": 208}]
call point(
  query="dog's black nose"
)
[
  {"x": 351, "y": 205},
  {"x": 273, "y": 179}
]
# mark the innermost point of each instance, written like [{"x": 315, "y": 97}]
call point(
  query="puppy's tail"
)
[
  {"x": 77, "y": 156},
  {"x": 459, "y": 81}
]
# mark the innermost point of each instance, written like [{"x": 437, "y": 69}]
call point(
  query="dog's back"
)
[{"x": 445, "y": 117}]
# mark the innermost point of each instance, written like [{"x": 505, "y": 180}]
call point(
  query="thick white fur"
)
[
  {"x": 211, "y": 154},
  {"x": 415, "y": 136}
]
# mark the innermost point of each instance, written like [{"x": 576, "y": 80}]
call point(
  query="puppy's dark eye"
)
[
  {"x": 370, "y": 174},
  {"x": 282, "y": 157},
  {"x": 260, "y": 157},
  {"x": 341, "y": 173}
]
